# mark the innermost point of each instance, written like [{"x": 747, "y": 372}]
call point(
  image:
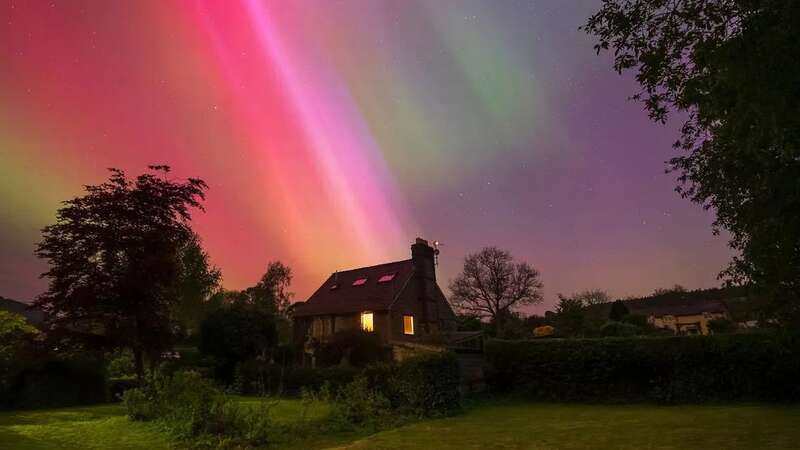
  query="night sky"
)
[{"x": 332, "y": 133}]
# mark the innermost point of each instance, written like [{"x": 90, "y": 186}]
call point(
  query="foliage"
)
[
  {"x": 272, "y": 290},
  {"x": 619, "y": 329},
  {"x": 236, "y": 333},
  {"x": 469, "y": 322},
  {"x": 731, "y": 67},
  {"x": 719, "y": 326},
  {"x": 263, "y": 378},
  {"x": 427, "y": 385},
  {"x": 593, "y": 297},
  {"x": 118, "y": 386},
  {"x": 354, "y": 347},
  {"x": 618, "y": 311},
  {"x": 491, "y": 285},
  {"x": 199, "y": 280},
  {"x": 114, "y": 256},
  {"x": 570, "y": 317},
  {"x": 358, "y": 403},
  {"x": 50, "y": 381},
  {"x": 758, "y": 366},
  {"x": 120, "y": 364},
  {"x": 17, "y": 339},
  {"x": 195, "y": 411}
]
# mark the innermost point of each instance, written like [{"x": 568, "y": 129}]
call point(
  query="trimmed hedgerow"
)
[
  {"x": 427, "y": 385},
  {"x": 664, "y": 369}
]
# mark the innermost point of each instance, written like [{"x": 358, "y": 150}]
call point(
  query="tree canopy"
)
[
  {"x": 115, "y": 259},
  {"x": 731, "y": 68},
  {"x": 491, "y": 285}
]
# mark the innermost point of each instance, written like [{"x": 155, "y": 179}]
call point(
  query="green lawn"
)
[
  {"x": 515, "y": 425},
  {"x": 92, "y": 427},
  {"x": 494, "y": 424}
]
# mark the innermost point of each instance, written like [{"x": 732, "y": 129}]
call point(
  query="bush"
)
[
  {"x": 121, "y": 365},
  {"x": 666, "y": 369},
  {"x": 619, "y": 329},
  {"x": 58, "y": 381},
  {"x": 260, "y": 378},
  {"x": 360, "y": 403},
  {"x": 427, "y": 385},
  {"x": 356, "y": 347},
  {"x": 118, "y": 386},
  {"x": 196, "y": 411},
  {"x": 719, "y": 326}
]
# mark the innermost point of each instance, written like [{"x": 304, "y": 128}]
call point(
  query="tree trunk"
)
[{"x": 138, "y": 358}]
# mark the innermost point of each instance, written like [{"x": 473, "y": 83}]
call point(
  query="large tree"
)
[
  {"x": 115, "y": 260},
  {"x": 492, "y": 285},
  {"x": 731, "y": 67}
]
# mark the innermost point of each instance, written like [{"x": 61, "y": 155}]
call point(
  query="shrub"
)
[
  {"x": 619, "y": 329},
  {"x": 261, "y": 378},
  {"x": 719, "y": 326},
  {"x": 196, "y": 411},
  {"x": 360, "y": 403},
  {"x": 427, "y": 385},
  {"x": 666, "y": 369},
  {"x": 356, "y": 347},
  {"x": 120, "y": 365},
  {"x": 58, "y": 381},
  {"x": 118, "y": 386}
]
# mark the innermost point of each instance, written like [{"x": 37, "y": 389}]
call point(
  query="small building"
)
[
  {"x": 400, "y": 301},
  {"x": 687, "y": 318}
]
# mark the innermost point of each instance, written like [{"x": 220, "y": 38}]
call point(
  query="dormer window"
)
[
  {"x": 360, "y": 281},
  {"x": 387, "y": 278}
]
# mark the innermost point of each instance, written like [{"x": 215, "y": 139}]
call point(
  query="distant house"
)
[
  {"x": 400, "y": 301},
  {"x": 688, "y": 313}
]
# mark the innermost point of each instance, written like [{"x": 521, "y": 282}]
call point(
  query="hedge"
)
[
  {"x": 258, "y": 378},
  {"x": 55, "y": 382},
  {"x": 761, "y": 367}
]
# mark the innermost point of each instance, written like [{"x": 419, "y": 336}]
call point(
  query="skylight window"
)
[
  {"x": 387, "y": 278},
  {"x": 360, "y": 281}
]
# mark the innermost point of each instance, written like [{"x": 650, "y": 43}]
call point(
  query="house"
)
[
  {"x": 400, "y": 301},
  {"x": 685, "y": 313}
]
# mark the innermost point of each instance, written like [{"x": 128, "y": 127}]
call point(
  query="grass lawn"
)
[
  {"x": 489, "y": 424},
  {"x": 91, "y": 427},
  {"x": 516, "y": 425}
]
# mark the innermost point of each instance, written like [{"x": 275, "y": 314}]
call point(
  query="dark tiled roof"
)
[{"x": 346, "y": 298}]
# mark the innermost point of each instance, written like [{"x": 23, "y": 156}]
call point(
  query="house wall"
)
[
  {"x": 684, "y": 324},
  {"x": 431, "y": 312}
]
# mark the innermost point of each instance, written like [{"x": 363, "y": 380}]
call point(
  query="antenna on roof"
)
[{"x": 436, "y": 245}]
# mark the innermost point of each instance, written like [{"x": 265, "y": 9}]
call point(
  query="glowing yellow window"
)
[
  {"x": 408, "y": 324},
  {"x": 366, "y": 321}
]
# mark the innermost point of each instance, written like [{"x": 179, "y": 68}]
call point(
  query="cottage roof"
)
[{"x": 372, "y": 288}]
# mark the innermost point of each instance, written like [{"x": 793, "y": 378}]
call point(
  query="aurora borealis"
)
[{"x": 332, "y": 133}]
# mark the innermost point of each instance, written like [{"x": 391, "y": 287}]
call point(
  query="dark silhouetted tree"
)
[
  {"x": 492, "y": 285},
  {"x": 199, "y": 280},
  {"x": 235, "y": 333},
  {"x": 115, "y": 260},
  {"x": 731, "y": 68},
  {"x": 618, "y": 311},
  {"x": 570, "y": 317}
]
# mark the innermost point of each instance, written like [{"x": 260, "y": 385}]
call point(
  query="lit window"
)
[
  {"x": 386, "y": 278},
  {"x": 366, "y": 321},
  {"x": 360, "y": 281},
  {"x": 408, "y": 324}
]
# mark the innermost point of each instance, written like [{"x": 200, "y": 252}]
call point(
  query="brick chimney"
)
[
  {"x": 422, "y": 256},
  {"x": 423, "y": 259}
]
